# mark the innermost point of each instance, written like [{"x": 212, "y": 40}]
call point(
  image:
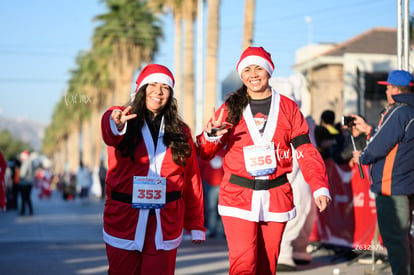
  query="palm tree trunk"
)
[
  {"x": 73, "y": 148},
  {"x": 97, "y": 139},
  {"x": 87, "y": 143},
  {"x": 57, "y": 159},
  {"x": 64, "y": 150},
  {"x": 248, "y": 23},
  {"x": 178, "y": 62},
  {"x": 211, "y": 58},
  {"x": 189, "y": 65}
]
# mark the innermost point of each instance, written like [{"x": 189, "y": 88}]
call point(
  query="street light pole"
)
[
  {"x": 199, "y": 112},
  {"x": 406, "y": 35},
  {"x": 403, "y": 34},
  {"x": 308, "y": 20},
  {"x": 399, "y": 34}
]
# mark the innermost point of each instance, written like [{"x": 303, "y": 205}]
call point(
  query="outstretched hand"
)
[
  {"x": 120, "y": 117},
  {"x": 355, "y": 156},
  {"x": 361, "y": 124},
  {"x": 322, "y": 202}
]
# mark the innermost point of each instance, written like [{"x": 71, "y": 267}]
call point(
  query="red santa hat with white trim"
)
[
  {"x": 155, "y": 73},
  {"x": 255, "y": 56}
]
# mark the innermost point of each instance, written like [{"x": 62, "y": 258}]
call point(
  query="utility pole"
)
[
  {"x": 403, "y": 34},
  {"x": 199, "y": 112},
  {"x": 308, "y": 21}
]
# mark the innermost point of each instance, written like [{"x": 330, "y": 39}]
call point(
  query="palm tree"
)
[
  {"x": 211, "y": 57},
  {"x": 174, "y": 6},
  {"x": 79, "y": 113},
  {"x": 131, "y": 33},
  {"x": 248, "y": 23},
  {"x": 71, "y": 116},
  {"x": 186, "y": 10},
  {"x": 128, "y": 36},
  {"x": 96, "y": 86},
  {"x": 55, "y": 137},
  {"x": 189, "y": 8}
]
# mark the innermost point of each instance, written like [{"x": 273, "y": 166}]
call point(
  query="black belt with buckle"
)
[
  {"x": 258, "y": 184},
  {"x": 127, "y": 198}
]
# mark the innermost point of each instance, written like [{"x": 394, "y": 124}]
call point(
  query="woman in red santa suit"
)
[
  {"x": 258, "y": 125},
  {"x": 153, "y": 184}
]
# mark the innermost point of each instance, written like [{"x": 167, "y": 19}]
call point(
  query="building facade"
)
[{"x": 343, "y": 77}]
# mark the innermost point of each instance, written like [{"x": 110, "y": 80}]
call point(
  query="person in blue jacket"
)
[{"x": 390, "y": 153}]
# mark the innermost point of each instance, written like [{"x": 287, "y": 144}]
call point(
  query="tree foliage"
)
[{"x": 11, "y": 146}]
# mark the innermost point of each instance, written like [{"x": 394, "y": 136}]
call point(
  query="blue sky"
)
[{"x": 39, "y": 41}]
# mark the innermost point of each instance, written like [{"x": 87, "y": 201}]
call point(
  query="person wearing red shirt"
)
[
  {"x": 153, "y": 185},
  {"x": 211, "y": 175},
  {"x": 258, "y": 125}
]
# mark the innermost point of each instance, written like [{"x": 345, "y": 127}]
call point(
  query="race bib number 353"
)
[{"x": 148, "y": 193}]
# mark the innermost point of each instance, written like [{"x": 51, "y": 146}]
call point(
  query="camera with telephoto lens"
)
[{"x": 348, "y": 121}]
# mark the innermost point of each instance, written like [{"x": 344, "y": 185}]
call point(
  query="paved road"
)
[{"x": 65, "y": 238}]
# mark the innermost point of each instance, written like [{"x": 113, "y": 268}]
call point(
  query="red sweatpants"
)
[
  {"x": 253, "y": 246},
  {"x": 149, "y": 261}
]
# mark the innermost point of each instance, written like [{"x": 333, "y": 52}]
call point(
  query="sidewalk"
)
[{"x": 65, "y": 238}]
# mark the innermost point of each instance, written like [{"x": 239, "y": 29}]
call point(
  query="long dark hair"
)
[
  {"x": 236, "y": 102},
  {"x": 175, "y": 136}
]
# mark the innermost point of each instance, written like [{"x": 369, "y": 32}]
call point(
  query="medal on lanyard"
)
[
  {"x": 148, "y": 193},
  {"x": 260, "y": 160}
]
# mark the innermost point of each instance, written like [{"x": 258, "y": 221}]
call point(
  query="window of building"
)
[{"x": 374, "y": 91}]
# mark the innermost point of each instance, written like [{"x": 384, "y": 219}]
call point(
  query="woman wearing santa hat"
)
[
  {"x": 258, "y": 126},
  {"x": 153, "y": 184}
]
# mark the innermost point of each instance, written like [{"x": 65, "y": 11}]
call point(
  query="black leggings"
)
[{"x": 26, "y": 190}]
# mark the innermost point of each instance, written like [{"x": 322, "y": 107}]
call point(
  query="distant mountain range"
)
[{"x": 26, "y": 130}]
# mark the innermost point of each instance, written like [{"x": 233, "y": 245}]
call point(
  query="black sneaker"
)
[
  {"x": 301, "y": 262},
  {"x": 285, "y": 267}
]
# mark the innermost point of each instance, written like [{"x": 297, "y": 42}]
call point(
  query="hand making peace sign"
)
[
  {"x": 217, "y": 127},
  {"x": 120, "y": 117}
]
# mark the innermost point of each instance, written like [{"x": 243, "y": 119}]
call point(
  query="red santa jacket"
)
[
  {"x": 285, "y": 126},
  {"x": 124, "y": 226},
  {"x": 212, "y": 170}
]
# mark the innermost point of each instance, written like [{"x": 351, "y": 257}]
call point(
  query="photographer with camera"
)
[
  {"x": 356, "y": 139},
  {"x": 333, "y": 134},
  {"x": 390, "y": 153}
]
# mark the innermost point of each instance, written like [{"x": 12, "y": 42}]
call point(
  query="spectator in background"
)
[
  {"x": 324, "y": 142},
  {"x": 328, "y": 122},
  {"x": 27, "y": 177},
  {"x": 69, "y": 185},
  {"x": 83, "y": 180},
  {"x": 14, "y": 166},
  {"x": 297, "y": 232},
  {"x": 360, "y": 139},
  {"x": 390, "y": 154},
  {"x": 212, "y": 173},
  {"x": 102, "y": 178},
  {"x": 44, "y": 181},
  {"x": 3, "y": 167}
]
